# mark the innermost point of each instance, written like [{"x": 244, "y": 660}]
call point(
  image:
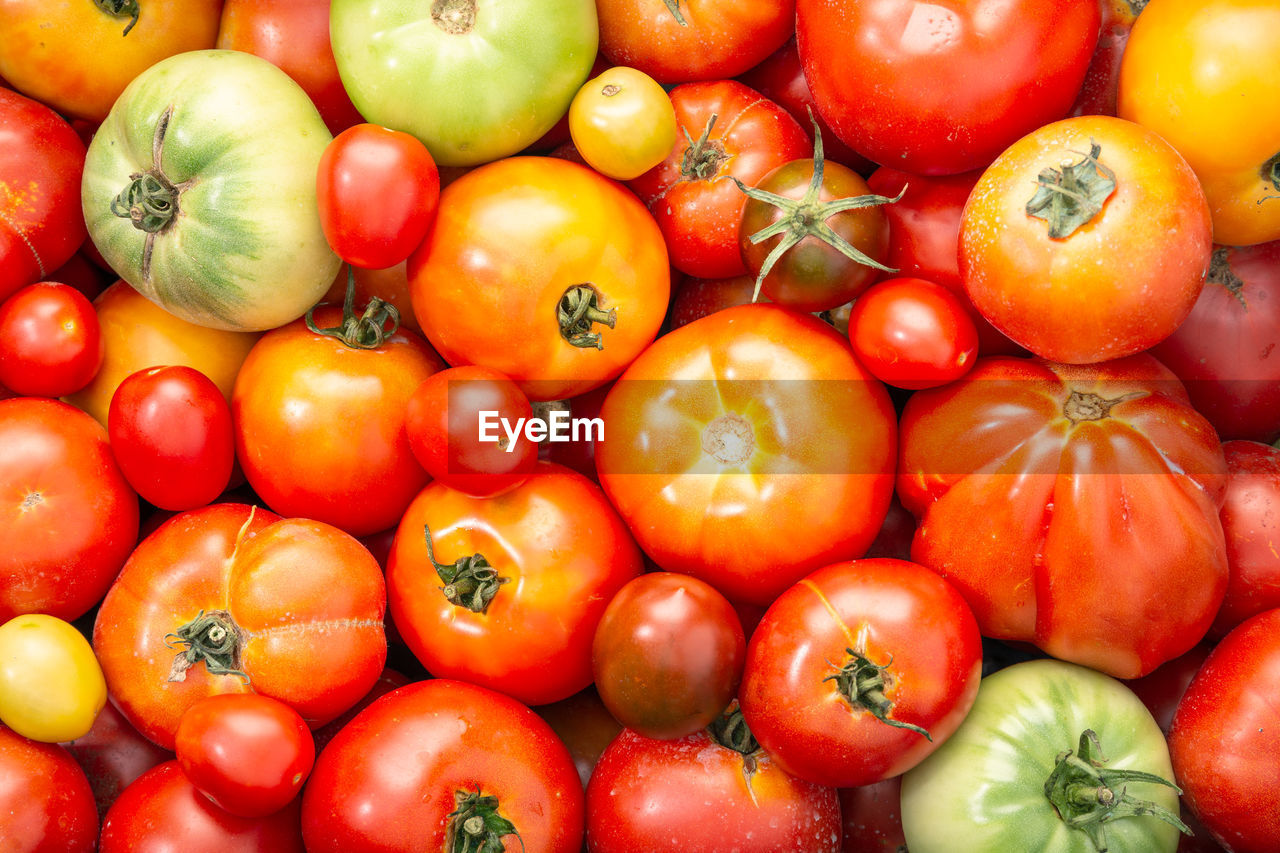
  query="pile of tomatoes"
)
[{"x": 621, "y": 425}]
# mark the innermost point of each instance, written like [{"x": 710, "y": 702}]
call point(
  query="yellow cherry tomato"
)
[
  {"x": 622, "y": 123},
  {"x": 51, "y": 686}
]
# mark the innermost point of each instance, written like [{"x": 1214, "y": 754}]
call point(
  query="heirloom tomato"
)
[
  {"x": 70, "y": 518},
  {"x": 1086, "y": 240},
  {"x": 1250, "y": 518},
  {"x": 507, "y": 591},
  {"x": 233, "y": 599},
  {"x": 50, "y": 341},
  {"x": 940, "y": 88},
  {"x": 1052, "y": 757},
  {"x": 1176, "y": 80},
  {"x": 544, "y": 270},
  {"x": 51, "y": 687},
  {"x": 1075, "y": 471},
  {"x": 45, "y": 800},
  {"x": 441, "y": 763},
  {"x": 622, "y": 123},
  {"x": 736, "y": 426}
]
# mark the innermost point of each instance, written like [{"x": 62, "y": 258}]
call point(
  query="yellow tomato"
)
[
  {"x": 51, "y": 686},
  {"x": 622, "y": 123},
  {"x": 136, "y": 334},
  {"x": 1205, "y": 75}
]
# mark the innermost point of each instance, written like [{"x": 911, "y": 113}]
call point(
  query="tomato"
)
[
  {"x": 1162, "y": 690},
  {"x": 249, "y": 754},
  {"x": 233, "y": 599},
  {"x": 1249, "y": 519},
  {"x": 1217, "y": 115},
  {"x": 50, "y": 342},
  {"x": 692, "y": 194},
  {"x": 162, "y": 811},
  {"x": 474, "y": 80},
  {"x": 622, "y": 123},
  {"x": 1046, "y": 730},
  {"x": 1225, "y": 738},
  {"x": 70, "y": 520},
  {"x": 1074, "y": 471},
  {"x": 45, "y": 800},
  {"x": 912, "y": 333},
  {"x": 294, "y": 36},
  {"x": 872, "y": 818},
  {"x": 943, "y": 88},
  {"x": 388, "y": 681},
  {"x": 138, "y": 334},
  {"x": 113, "y": 754},
  {"x": 712, "y": 790},
  {"x": 170, "y": 431},
  {"x": 668, "y": 655},
  {"x": 506, "y": 592},
  {"x": 81, "y": 273},
  {"x": 1226, "y": 350},
  {"x": 860, "y": 670},
  {"x": 734, "y": 427},
  {"x": 586, "y": 727},
  {"x": 377, "y": 189},
  {"x": 475, "y": 754},
  {"x": 200, "y": 191},
  {"x": 698, "y": 297},
  {"x": 40, "y": 222},
  {"x": 390, "y": 285},
  {"x": 543, "y": 270},
  {"x": 678, "y": 42},
  {"x": 320, "y": 418},
  {"x": 1091, "y": 279},
  {"x": 109, "y": 44},
  {"x": 51, "y": 686},
  {"x": 1099, "y": 91}
]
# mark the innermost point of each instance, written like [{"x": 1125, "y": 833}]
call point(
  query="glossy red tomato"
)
[
  {"x": 377, "y": 190},
  {"x": 872, "y": 818},
  {"x": 50, "y": 342},
  {"x": 440, "y": 760},
  {"x": 171, "y": 433},
  {"x": 46, "y": 805},
  {"x": 1162, "y": 690},
  {"x": 249, "y": 754},
  {"x": 943, "y": 88},
  {"x": 162, "y": 811},
  {"x": 912, "y": 333},
  {"x": 1250, "y": 518},
  {"x": 112, "y": 755},
  {"x": 668, "y": 655}
]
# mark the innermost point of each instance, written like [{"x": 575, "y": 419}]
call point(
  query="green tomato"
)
[
  {"x": 985, "y": 788},
  {"x": 51, "y": 686},
  {"x": 200, "y": 191},
  {"x": 474, "y": 80}
]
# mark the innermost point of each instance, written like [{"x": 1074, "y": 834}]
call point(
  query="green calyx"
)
[
  {"x": 475, "y": 826},
  {"x": 364, "y": 331},
  {"x": 121, "y": 9},
  {"x": 211, "y": 637},
  {"x": 469, "y": 582},
  {"x": 673, "y": 6},
  {"x": 150, "y": 199},
  {"x": 577, "y": 313},
  {"x": 807, "y": 217},
  {"x": 861, "y": 682},
  {"x": 1071, "y": 197},
  {"x": 702, "y": 158},
  {"x": 730, "y": 730},
  {"x": 1271, "y": 172},
  {"x": 1087, "y": 795}
]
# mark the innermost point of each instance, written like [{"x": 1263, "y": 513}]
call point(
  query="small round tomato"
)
[
  {"x": 912, "y": 333},
  {"x": 1249, "y": 520},
  {"x": 51, "y": 687},
  {"x": 50, "y": 342},
  {"x": 171, "y": 434},
  {"x": 46, "y": 805},
  {"x": 112, "y": 754},
  {"x": 447, "y": 418},
  {"x": 668, "y": 655},
  {"x": 377, "y": 190},
  {"x": 249, "y": 754},
  {"x": 622, "y": 123}
]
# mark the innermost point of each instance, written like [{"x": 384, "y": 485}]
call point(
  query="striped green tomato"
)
[{"x": 200, "y": 191}]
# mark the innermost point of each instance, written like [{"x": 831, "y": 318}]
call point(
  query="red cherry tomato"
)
[
  {"x": 377, "y": 190},
  {"x": 247, "y": 753},
  {"x": 171, "y": 433},
  {"x": 50, "y": 342},
  {"x": 912, "y": 333}
]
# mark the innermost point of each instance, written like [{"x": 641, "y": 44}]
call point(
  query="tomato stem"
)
[
  {"x": 455, "y": 17},
  {"x": 730, "y": 730},
  {"x": 1271, "y": 173},
  {"x": 1085, "y": 794},
  {"x": 1087, "y": 406},
  {"x": 702, "y": 159},
  {"x": 475, "y": 826},
  {"x": 121, "y": 9},
  {"x": 861, "y": 682},
  {"x": 1220, "y": 272},
  {"x": 366, "y": 331},
  {"x": 469, "y": 582},
  {"x": 211, "y": 637},
  {"x": 578, "y": 311},
  {"x": 673, "y": 6},
  {"x": 1072, "y": 197}
]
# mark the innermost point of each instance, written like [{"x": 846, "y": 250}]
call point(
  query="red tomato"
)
[
  {"x": 507, "y": 591},
  {"x": 1162, "y": 690},
  {"x": 698, "y": 297},
  {"x": 46, "y": 805},
  {"x": 860, "y": 671},
  {"x": 50, "y": 343},
  {"x": 1098, "y": 92},
  {"x": 668, "y": 655},
  {"x": 586, "y": 727},
  {"x": 712, "y": 790},
  {"x": 377, "y": 189},
  {"x": 249, "y": 754},
  {"x": 112, "y": 755},
  {"x": 692, "y": 194},
  {"x": 1225, "y": 738},
  {"x": 171, "y": 434},
  {"x": 872, "y": 818},
  {"x": 940, "y": 89},
  {"x": 233, "y": 599},
  {"x": 1250, "y": 518},
  {"x": 388, "y": 681},
  {"x": 444, "y": 418},
  {"x": 70, "y": 517},
  {"x": 912, "y": 333},
  {"x": 41, "y": 224},
  {"x": 162, "y": 811},
  {"x": 472, "y": 754}
]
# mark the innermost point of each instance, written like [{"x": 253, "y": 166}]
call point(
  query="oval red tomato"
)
[{"x": 912, "y": 333}]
